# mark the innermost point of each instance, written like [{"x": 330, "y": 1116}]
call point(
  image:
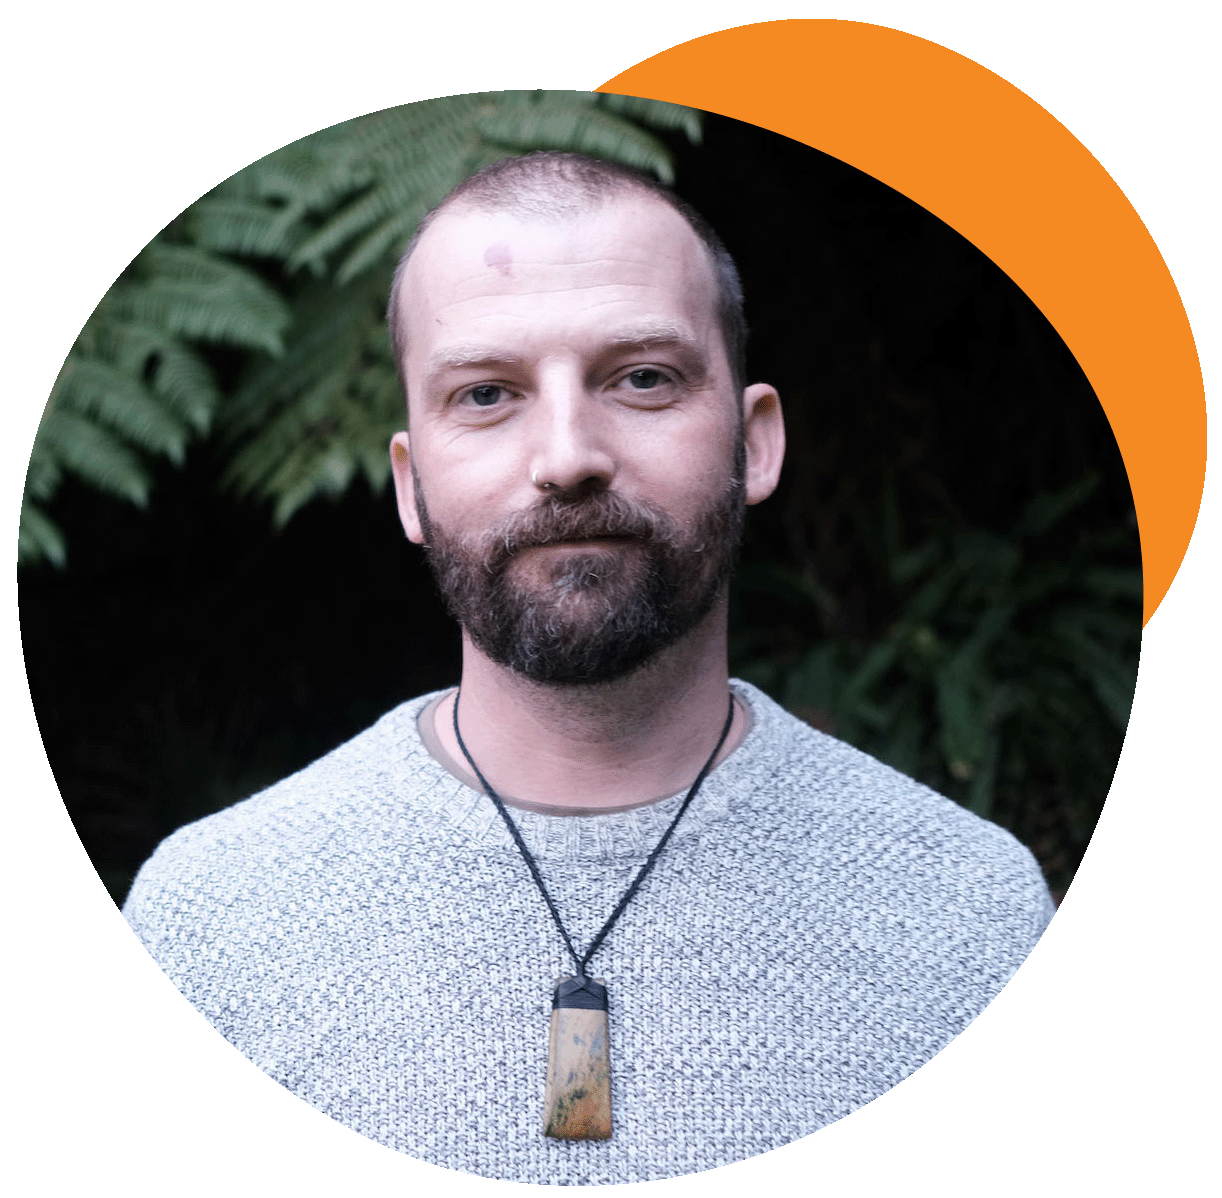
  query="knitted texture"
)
[{"x": 366, "y": 932}]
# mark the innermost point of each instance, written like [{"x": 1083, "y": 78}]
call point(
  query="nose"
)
[{"x": 571, "y": 452}]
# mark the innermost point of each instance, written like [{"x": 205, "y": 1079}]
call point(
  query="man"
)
[{"x": 382, "y": 933}]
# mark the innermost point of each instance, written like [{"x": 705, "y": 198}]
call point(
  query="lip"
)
[{"x": 586, "y": 543}]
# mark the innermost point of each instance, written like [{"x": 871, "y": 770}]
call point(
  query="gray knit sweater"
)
[{"x": 366, "y": 932}]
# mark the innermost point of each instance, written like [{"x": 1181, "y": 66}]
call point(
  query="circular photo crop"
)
[{"x": 670, "y": 412}]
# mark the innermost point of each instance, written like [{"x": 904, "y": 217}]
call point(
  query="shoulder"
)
[
  {"x": 884, "y": 830},
  {"x": 302, "y": 818}
]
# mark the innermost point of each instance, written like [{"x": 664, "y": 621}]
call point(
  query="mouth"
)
[
  {"x": 596, "y": 542},
  {"x": 577, "y": 546}
]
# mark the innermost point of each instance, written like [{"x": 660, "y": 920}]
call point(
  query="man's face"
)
[{"x": 576, "y": 463}]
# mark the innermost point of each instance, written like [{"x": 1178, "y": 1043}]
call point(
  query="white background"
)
[{"x": 1096, "y": 1069}]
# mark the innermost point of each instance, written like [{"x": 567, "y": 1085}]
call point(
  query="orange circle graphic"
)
[{"x": 1002, "y": 171}]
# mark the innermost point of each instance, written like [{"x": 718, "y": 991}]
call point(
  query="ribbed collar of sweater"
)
[{"x": 436, "y": 795}]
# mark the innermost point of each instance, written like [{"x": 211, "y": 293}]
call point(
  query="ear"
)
[
  {"x": 764, "y": 429},
  {"x": 405, "y": 486}
]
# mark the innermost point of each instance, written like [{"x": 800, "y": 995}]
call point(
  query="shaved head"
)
[{"x": 554, "y": 186}]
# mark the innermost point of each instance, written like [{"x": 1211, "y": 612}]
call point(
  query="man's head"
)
[
  {"x": 550, "y": 185},
  {"x": 580, "y": 448}
]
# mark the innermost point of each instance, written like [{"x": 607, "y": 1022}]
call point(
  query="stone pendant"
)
[{"x": 577, "y": 1098}]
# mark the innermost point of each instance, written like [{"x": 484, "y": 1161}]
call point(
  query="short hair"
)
[{"x": 552, "y": 184}]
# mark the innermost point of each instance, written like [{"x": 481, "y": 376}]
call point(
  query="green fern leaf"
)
[
  {"x": 341, "y": 203},
  {"x": 92, "y": 388},
  {"x": 660, "y": 114},
  {"x": 173, "y": 372},
  {"x": 82, "y": 447},
  {"x": 384, "y": 243},
  {"x": 195, "y": 294},
  {"x": 581, "y": 129},
  {"x": 248, "y": 228},
  {"x": 39, "y": 538},
  {"x": 44, "y": 475},
  {"x": 366, "y": 211}
]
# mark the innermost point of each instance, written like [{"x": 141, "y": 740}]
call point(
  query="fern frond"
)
[
  {"x": 39, "y": 538},
  {"x": 82, "y": 447},
  {"x": 357, "y": 217},
  {"x": 181, "y": 379},
  {"x": 383, "y": 243},
  {"x": 330, "y": 327},
  {"x": 418, "y": 152},
  {"x": 172, "y": 371},
  {"x": 371, "y": 411},
  {"x": 338, "y": 205},
  {"x": 313, "y": 449},
  {"x": 44, "y": 475},
  {"x": 91, "y": 388},
  {"x": 246, "y": 227},
  {"x": 375, "y": 139},
  {"x": 192, "y": 293},
  {"x": 659, "y": 114},
  {"x": 413, "y": 183},
  {"x": 304, "y": 427},
  {"x": 286, "y": 180},
  {"x": 275, "y": 413},
  {"x": 131, "y": 386},
  {"x": 582, "y": 129}
]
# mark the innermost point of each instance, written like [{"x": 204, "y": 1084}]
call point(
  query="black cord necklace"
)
[{"x": 577, "y": 1097}]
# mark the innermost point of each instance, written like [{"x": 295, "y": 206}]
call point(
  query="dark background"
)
[{"x": 190, "y": 655}]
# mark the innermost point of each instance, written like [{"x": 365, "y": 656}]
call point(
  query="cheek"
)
[
  {"x": 699, "y": 465},
  {"x": 465, "y": 484}
]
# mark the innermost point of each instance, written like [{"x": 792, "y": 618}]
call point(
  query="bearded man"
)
[{"x": 757, "y": 928}]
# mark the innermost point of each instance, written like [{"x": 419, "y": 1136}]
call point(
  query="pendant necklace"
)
[{"x": 577, "y": 1095}]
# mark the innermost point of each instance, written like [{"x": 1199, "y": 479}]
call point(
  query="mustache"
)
[{"x": 552, "y": 521}]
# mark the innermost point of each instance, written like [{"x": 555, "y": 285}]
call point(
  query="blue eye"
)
[
  {"x": 486, "y": 395},
  {"x": 645, "y": 378}
]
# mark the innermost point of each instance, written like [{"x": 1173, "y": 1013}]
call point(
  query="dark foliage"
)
[{"x": 949, "y": 575}]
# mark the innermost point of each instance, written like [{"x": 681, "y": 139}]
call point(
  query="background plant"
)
[
  {"x": 1002, "y": 675},
  {"x": 290, "y": 261},
  {"x": 948, "y": 576},
  {"x": 134, "y": 384}
]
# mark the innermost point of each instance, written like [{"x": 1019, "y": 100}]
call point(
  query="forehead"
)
[{"x": 630, "y": 259}]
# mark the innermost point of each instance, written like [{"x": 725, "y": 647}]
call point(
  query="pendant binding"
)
[{"x": 580, "y": 994}]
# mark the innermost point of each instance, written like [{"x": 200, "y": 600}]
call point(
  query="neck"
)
[{"x": 603, "y": 746}]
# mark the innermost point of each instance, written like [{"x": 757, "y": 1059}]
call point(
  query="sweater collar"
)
[{"x": 443, "y": 797}]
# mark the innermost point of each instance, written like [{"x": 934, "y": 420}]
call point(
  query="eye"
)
[
  {"x": 646, "y": 378},
  {"x": 486, "y": 395}
]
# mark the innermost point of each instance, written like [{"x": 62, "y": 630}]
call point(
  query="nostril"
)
[{"x": 582, "y": 488}]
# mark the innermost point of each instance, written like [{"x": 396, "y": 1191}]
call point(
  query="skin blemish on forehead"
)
[{"x": 500, "y": 256}]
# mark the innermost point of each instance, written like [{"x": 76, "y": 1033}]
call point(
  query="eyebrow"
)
[
  {"x": 659, "y": 335},
  {"x": 482, "y": 356},
  {"x": 458, "y": 357},
  {"x": 654, "y": 332}
]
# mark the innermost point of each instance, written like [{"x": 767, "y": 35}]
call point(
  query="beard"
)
[{"x": 584, "y": 616}]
